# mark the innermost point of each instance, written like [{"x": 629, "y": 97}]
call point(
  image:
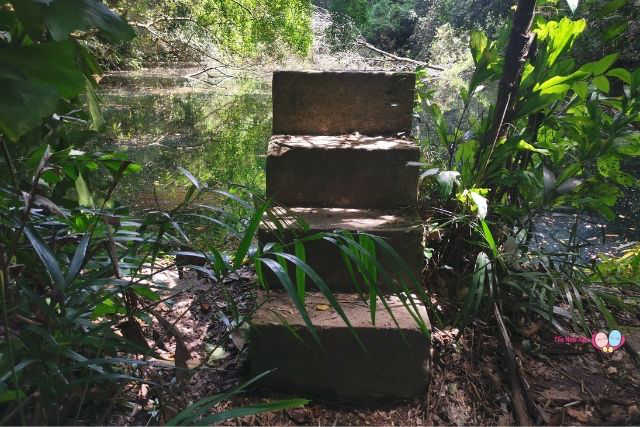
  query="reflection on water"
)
[{"x": 219, "y": 134}]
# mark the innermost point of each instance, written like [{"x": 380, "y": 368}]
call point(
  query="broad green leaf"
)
[
  {"x": 54, "y": 64},
  {"x": 525, "y": 146},
  {"x": 625, "y": 179},
  {"x": 62, "y": 17},
  {"x": 97, "y": 120},
  {"x": 477, "y": 44},
  {"x": 559, "y": 89},
  {"x": 84, "y": 195},
  {"x": 581, "y": 89},
  {"x": 613, "y": 31},
  {"x": 536, "y": 102},
  {"x": 144, "y": 291},
  {"x": 602, "y": 83},
  {"x": 628, "y": 145},
  {"x": 24, "y": 104},
  {"x": 621, "y": 74},
  {"x": 561, "y": 37},
  {"x": 601, "y": 66},
  {"x": 556, "y": 80},
  {"x": 611, "y": 6}
]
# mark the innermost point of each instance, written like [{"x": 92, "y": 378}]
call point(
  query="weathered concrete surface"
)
[
  {"x": 396, "y": 363},
  {"x": 348, "y": 171},
  {"x": 334, "y": 103},
  {"x": 402, "y": 230}
]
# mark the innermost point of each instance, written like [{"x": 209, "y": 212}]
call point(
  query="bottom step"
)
[{"x": 395, "y": 365}]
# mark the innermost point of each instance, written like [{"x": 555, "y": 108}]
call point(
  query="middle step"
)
[
  {"x": 401, "y": 229},
  {"x": 345, "y": 171}
]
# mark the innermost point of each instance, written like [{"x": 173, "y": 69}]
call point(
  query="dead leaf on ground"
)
[{"x": 581, "y": 415}]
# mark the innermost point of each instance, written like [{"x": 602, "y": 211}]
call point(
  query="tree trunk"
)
[{"x": 516, "y": 55}]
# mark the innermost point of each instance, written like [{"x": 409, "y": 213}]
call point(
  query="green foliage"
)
[
  {"x": 623, "y": 270},
  {"x": 250, "y": 25},
  {"x": 188, "y": 30},
  {"x": 40, "y": 64},
  {"x": 564, "y": 146}
]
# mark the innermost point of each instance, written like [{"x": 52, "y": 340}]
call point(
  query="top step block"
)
[{"x": 337, "y": 103}]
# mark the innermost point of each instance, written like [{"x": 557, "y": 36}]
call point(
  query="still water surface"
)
[{"x": 163, "y": 121}]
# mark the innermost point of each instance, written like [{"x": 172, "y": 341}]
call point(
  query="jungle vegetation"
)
[{"x": 548, "y": 120}]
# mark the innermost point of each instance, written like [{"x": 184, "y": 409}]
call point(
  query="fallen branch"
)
[
  {"x": 182, "y": 352},
  {"x": 520, "y": 404},
  {"x": 397, "y": 58}
]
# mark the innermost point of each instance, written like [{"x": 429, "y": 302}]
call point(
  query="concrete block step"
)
[
  {"x": 347, "y": 171},
  {"x": 401, "y": 229},
  {"x": 334, "y": 103},
  {"x": 396, "y": 364}
]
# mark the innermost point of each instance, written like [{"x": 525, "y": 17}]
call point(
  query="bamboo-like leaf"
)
[
  {"x": 283, "y": 277},
  {"x": 253, "y": 409},
  {"x": 199, "y": 408},
  {"x": 46, "y": 256},
  {"x": 249, "y": 234},
  {"x": 19, "y": 367},
  {"x": 78, "y": 259},
  {"x": 190, "y": 177},
  {"x": 322, "y": 286},
  {"x": 300, "y": 272}
]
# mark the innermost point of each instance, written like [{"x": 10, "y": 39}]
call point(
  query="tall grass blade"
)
[
  {"x": 300, "y": 272},
  {"x": 251, "y": 410},
  {"x": 283, "y": 277},
  {"x": 249, "y": 234}
]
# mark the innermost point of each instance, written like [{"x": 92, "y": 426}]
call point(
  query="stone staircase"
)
[{"x": 338, "y": 160}]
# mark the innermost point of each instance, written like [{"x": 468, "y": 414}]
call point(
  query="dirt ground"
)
[{"x": 569, "y": 383}]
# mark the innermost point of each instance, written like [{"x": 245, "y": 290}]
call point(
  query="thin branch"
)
[
  {"x": 518, "y": 398},
  {"x": 396, "y": 57}
]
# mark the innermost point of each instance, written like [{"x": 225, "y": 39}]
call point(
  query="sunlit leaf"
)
[
  {"x": 573, "y": 5},
  {"x": 602, "y": 83},
  {"x": 477, "y": 43},
  {"x": 621, "y": 74},
  {"x": 84, "y": 195},
  {"x": 601, "y": 66}
]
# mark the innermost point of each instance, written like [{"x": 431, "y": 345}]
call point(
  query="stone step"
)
[
  {"x": 396, "y": 364},
  {"x": 402, "y": 230},
  {"x": 335, "y": 103},
  {"x": 347, "y": 171}
]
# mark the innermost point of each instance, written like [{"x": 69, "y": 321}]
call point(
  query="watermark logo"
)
[
  {"x": 600, "y": 340},
  {"x": 607, "y": 344}
]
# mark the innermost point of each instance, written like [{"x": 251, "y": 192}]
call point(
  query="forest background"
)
[{"x": 81, "y": 243}]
